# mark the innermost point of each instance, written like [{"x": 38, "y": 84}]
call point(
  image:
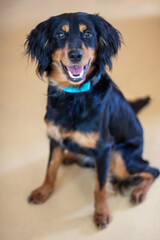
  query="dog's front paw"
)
[
  {"x": 40, "y": 195},
  {"x": 102, "y": 219}
]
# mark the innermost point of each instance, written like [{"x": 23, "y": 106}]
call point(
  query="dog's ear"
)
[
  {"x": 38, "y": 47},
  {"x": 109, "y": 41}
]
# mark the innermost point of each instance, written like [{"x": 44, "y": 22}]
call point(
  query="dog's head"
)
[{"x": 70, "y": 47}]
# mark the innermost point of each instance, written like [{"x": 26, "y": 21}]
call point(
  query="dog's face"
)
[
  {"x": 74, "y": 46},
  {"x": 69, "y": 47}
]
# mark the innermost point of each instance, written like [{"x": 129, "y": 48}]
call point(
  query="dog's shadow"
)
[{"x": 70, "y": 208}]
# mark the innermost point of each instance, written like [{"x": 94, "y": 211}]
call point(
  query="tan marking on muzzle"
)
[{"x": 61, "y": 55}]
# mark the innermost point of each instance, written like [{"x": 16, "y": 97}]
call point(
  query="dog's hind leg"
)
[
  {"x": 127, "y": 176},
  {"x": 138, "y": 195},
  {"x": 42, "y": 193}
]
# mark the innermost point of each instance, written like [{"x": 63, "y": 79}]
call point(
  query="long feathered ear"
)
[
  {"x": 109, "y": 41},
  {"x": 38, "y": 47}
]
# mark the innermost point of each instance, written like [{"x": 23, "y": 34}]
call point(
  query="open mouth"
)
[{"x": 76, "y": 72}]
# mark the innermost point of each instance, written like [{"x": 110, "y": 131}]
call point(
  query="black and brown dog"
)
[{"x": 88, "y": 119}]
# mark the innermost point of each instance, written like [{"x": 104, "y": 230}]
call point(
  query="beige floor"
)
[{"x": 24, "y": 146}]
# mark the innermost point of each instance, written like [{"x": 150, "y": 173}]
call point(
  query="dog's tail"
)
[{"x": 138, "y": 104}]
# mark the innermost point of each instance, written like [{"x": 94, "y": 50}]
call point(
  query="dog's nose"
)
[{"x": 75, "y": 56}]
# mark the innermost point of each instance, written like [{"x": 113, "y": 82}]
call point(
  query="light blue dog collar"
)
[{"x": 84, "y": 88}]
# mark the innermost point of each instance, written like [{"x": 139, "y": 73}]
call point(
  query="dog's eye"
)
[
  {"x": 87, "y": 34},
  {"x": 60, "y": 35}
]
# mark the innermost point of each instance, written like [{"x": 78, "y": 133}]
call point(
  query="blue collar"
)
[{"x": 84, "y": 88}]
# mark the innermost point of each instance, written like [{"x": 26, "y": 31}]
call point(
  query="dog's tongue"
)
[{"x": 76, "y": 69}]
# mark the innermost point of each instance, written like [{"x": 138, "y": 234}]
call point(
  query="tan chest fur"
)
[{"x": 58, "y": 133}]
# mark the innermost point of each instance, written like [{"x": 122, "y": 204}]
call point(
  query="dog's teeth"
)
[{"x": 79, "y": 76}]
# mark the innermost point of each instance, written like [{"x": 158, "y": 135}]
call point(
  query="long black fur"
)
[{"x": 103, "y": 108}]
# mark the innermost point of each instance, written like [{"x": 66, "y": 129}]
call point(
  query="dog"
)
[{"x": 88, "y": 119}]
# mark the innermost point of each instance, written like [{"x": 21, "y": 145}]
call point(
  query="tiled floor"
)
[{"x": 24, "y": 146}]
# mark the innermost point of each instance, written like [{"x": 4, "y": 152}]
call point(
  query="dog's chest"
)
[
  {"x": 83, "y": 139},
  {"x": 75, "y": 112},
  {"x": 74, "y": 117}
]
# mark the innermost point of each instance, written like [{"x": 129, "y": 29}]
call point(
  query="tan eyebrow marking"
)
[
  {"x": 65, "y": 28},
  {"x": 82, "y": 27}
]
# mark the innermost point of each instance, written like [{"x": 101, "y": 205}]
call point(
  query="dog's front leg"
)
[
  {"x": 42, "y": 193},
  {"x": 102, "y": 215}
]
